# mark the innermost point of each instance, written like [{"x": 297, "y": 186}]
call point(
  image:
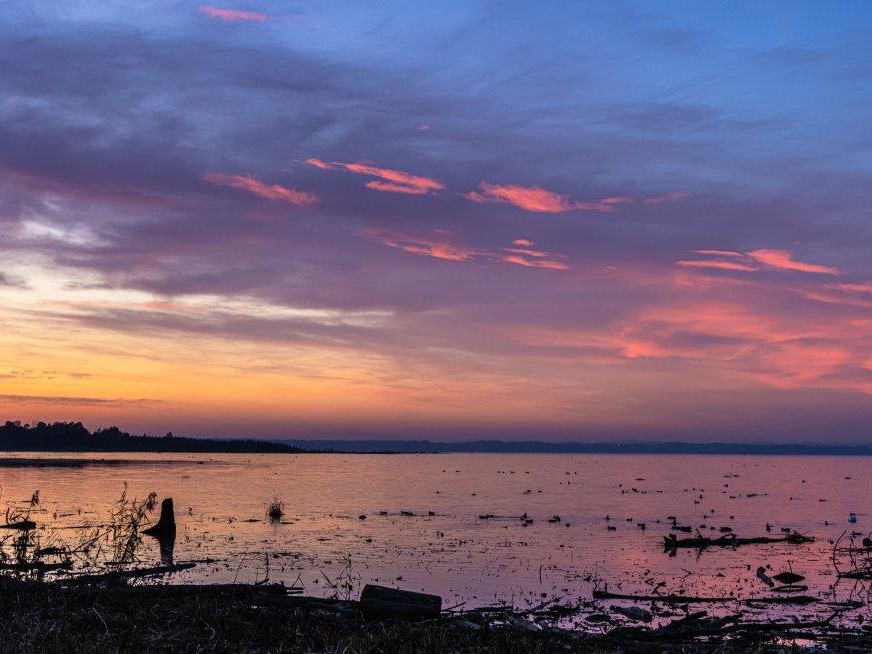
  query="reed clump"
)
[
  {"x": 28, "y": 549},
  {"x": 275, "y": 510}
]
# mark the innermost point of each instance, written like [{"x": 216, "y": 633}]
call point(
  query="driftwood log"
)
[
  {"x": 21, "y": 525},
  {"x": 381, "y": 602},
  {"x": 117, "y": 575},
  {"x": 686, "y": 599},
  {"x": 670, "y": 542}
]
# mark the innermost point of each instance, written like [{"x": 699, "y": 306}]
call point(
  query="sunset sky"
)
[{"x": 447, "y": 220}]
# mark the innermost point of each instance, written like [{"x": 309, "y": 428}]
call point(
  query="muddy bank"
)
[{"x": 44, "y": 616}]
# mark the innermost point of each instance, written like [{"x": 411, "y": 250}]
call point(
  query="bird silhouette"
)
[
  {"x": 766, "y": 579},
  {"x": 786, "y": 578}
]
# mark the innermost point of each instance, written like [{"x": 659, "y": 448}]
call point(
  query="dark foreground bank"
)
[{"x": 115, "y": 617}]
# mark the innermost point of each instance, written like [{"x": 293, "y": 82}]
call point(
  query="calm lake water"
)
[{"x": 424, "y": 528}]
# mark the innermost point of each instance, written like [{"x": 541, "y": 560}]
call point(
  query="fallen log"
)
[
  {"x": 21, "y": 525},
  {"x": 379, "y": 601},
  {"x": 130, "y": 574},
  {"x": 686, "y": 599},
  {"x": 36, "y": 566},
  {"x": 856, "y": 574},
  {"x": 670, "y": 542}
]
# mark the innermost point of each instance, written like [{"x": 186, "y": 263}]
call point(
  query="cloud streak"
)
[
  {"x": 752, "y": 261},
  {"x": 443, "y": 245},
  {"x": 233, "y": 15},
  {"x": 387, "y": 179},
  {"x": 717, "y": 265},
  {"x": 273, "y": 192},
  {"x": 538, "y": 200},
  {"x": 783, "y": 260},
  {"x": 77, "y": 401},
  {"x": 667, "y": 198},
  {"x": 12, "y": 282},
  {"x": 439, "y": 245}
]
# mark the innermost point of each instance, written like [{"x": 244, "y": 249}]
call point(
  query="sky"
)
[{"x": 453, "y": 220}]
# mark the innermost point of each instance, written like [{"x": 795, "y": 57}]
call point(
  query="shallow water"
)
[{"x": 447, "y": 548}]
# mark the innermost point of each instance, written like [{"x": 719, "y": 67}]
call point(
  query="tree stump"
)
[{"x": 166, "y": 525}]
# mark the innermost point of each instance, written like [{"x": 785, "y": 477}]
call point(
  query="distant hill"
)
[
  {"x": 626, "y": 447},
  {"x": 75, "y": 437}
]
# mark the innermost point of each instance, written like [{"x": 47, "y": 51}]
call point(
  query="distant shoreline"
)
[
  {"x": 73, "y": 437},
  {"x": 70, "y": 437},
  {"x": 539, "y": 447}
]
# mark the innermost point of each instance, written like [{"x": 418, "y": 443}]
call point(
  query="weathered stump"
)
[
  {"x": 166, "y": 524},
  {"x": 381, "y": 602}
]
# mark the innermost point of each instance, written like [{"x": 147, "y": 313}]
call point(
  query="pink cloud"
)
[
  {"x": 441, "y": 244},
  {"x": 538, "y": 200},
  {"x": 719, "y": 265},
  {"x": 850, "y": 299},
  {"x": 849, "y": 294},
  {"x": 322, "y": 165},
  {"x": 524, "y": 255},
  {"x": 751, "y": 261},
  {"x": 853, "y": 287},
  {"x": 232, "y": 15},
  {"x": 389, "y": 187},
  {"x": 783, "y": 260},
  {"x": 274, "y": 192},
  {"x": 387, "y": 179},
  {"x": 668, "y": 197},
  {"x": 719, "y": 253},
  {"x": 527, "y": 252},
  {"x": 535, "y": 263}
]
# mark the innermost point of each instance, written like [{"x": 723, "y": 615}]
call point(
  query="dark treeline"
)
[
  {"x": 75, "y": 437},
  {"x": 624, "y": 447}
]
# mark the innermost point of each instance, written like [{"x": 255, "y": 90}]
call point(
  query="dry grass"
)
[{"x": 49, "y": 617}]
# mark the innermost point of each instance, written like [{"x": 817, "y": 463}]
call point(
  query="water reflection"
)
[
  {"x": 164, "y": 531},
  {"x": 450, "y": 524}
]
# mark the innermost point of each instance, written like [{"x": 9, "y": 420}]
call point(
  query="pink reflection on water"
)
[{"x": 424, "y": 527}]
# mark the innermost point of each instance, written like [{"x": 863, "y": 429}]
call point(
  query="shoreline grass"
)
[{"x": 41, "y": 616}]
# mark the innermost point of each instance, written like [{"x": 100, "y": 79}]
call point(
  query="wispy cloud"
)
[
  {"x": 719, "y": 265},
  {"x": 274, "y": 192},
  {"x": 783, "y": 260},
  {"x": 752, "y": 261},
  {"x": 321, "y": 165},
  {"x": 387, "y": 179},
  {"x": 233, "y": 15},
  {"x": 439, "y": 244},
  {"x": 858, "y": 294},
  {"x": 719, "y": 253},
  {"x": 668, "y": 197},
  {"x": 524, "y": 254},
  {"x": 389, "y": 187},
  {"x": 538, "y": 200},
  {"x": 6, "y": 280},
  {"x": 551, "y": 264},
  {"x": 863, "y": 287},
  {"x": 442, "y": 244},
  {"x": 76, "y": 401}
]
